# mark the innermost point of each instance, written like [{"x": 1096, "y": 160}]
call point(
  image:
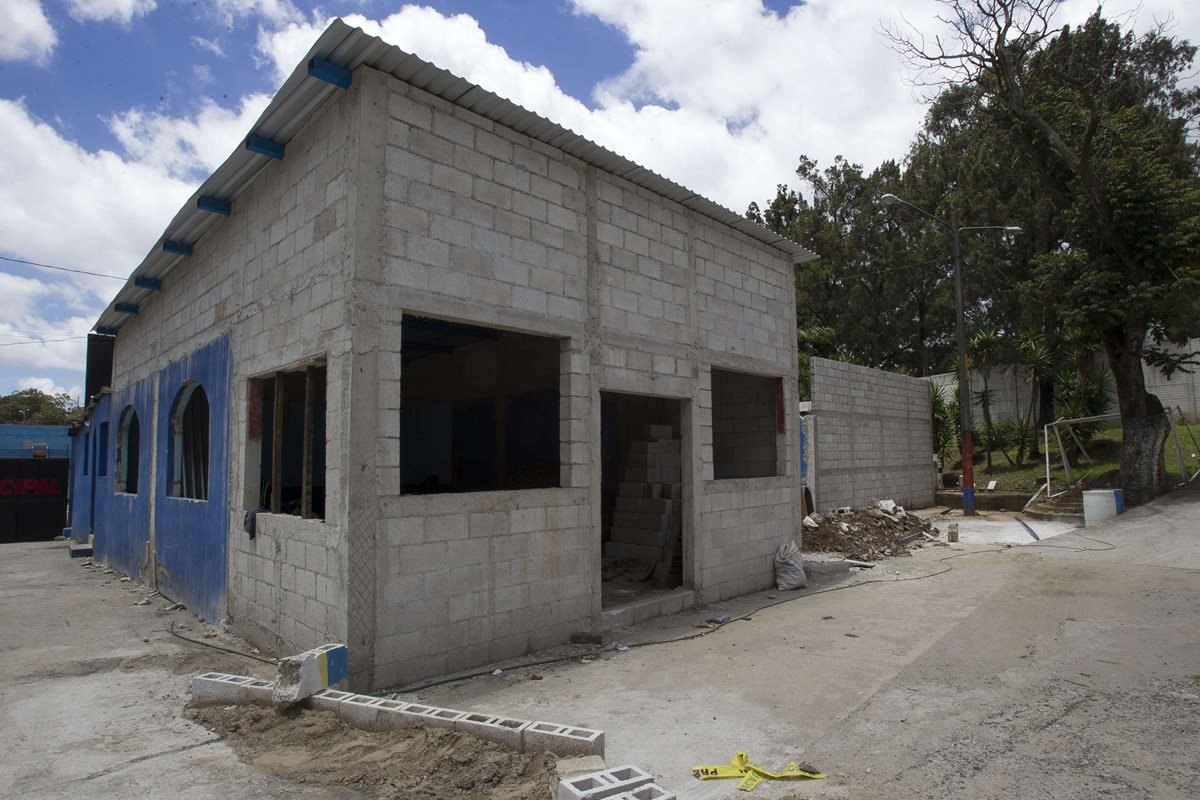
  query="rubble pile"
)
[{"x": 866, "y": 534}]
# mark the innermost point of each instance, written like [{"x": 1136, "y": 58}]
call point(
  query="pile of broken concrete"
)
[{"x": 867, "y": 533}]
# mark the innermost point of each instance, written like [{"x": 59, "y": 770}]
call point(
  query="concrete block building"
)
[{"x": 422, "y": 336}]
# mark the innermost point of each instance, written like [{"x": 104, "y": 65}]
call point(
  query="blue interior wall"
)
[
  {"x": 191, "y": 535},
  {"x": 81, "y": 511},
  {"x": 123, "y": 520}
]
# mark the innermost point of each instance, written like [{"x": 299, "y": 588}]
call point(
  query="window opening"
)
[
  {"x": 745, "y": 425},
  {"x": 480, "y": 409},
  {"x": 189, "y": 444},
  {"x": 287, "y": 430},
  {"x": 129, "y": 447},
  {"x": 102, "y": 451}
]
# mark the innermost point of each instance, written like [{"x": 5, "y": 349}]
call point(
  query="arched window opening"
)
[
  {"x": 189, "y": 444},
  {"x": 129, "y": 446}
]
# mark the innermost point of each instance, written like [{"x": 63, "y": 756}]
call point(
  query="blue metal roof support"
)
[
  {"x": 126, "y": 308},
  {"x": 329, "y": 72},
  {"x": 178, "y": 248},
  {"x": 264, "y": 146},
  {"x": 213, "y": 205},
  {"x": 104, "y": 330},
  {"x": 153, "y": 284}
]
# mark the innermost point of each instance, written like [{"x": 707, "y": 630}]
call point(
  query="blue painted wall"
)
[
  {"x": 81, "y": 491},
  {"x": 191, "y": 536},
  {"x": 15, "y": 440},
  {"x": 123, "y": 520}
]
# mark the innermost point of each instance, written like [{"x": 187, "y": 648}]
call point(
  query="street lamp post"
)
[{"x": 964, "y": 376}]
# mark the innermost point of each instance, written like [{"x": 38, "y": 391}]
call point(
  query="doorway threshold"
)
[{"x": 645, "y": 605}]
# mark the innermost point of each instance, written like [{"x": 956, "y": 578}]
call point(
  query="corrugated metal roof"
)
[{"x": 301, "y": 95}]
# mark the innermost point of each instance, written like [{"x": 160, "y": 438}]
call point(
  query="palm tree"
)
[{"x": 985, "y": 349}]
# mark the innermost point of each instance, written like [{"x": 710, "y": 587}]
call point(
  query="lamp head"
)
[
  {"x": 890, "y": 199},
  {"x": 1013, "y": 229}
]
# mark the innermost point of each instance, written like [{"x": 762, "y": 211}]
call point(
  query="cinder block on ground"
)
[
  {"x": 562, "y": 740},
  {"x": 502, "y": 730},
  {"x": 606, "y": 783},
  {"x": 373, "y": 713},
  {"x": 327, "y": 700},
  {"x": 433, "y": 716},
  {"x": 257, "y": 692},
  {"x": 216, "y": 688},
  {"x": 651, "y": 791}
]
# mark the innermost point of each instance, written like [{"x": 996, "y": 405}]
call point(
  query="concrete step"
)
[
  {"x": 659, "y": 604},
  {"x": 75, "y": 550},
  {"x": 1054, "y": 515}
]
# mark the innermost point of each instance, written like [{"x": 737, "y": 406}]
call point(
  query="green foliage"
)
[
  {"x": 863, "y": 300},
  {"x": 945, "y": 421},
  {"x": 35, "y": 407}
]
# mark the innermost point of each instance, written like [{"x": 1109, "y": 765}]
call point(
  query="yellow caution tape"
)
[{"x": 750, "y": 775}]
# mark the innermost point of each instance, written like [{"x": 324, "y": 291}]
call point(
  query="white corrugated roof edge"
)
[{"x": 300, "y": 96}]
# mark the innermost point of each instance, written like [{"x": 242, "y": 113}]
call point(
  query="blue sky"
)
[{"x": 114, "y": 110}]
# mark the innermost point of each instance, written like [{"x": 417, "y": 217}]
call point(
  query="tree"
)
[
  {"x": 850, "y": 301},
  {"x": 1107, "y": 112},
  {"x": 35, "y": 407}
]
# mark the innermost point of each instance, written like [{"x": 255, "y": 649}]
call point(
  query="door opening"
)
[{"x": 642, "y": 530}]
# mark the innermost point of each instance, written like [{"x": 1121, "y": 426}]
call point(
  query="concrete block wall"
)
[
  {"x": 744, "y": 426},
  {"x": 478, "y": 577},
  {"x": 872, "y": 437},
  {"x": 481, "y": 225},
  {"x": 272, "y": 276},
  {"x": 744, "y": 521}
]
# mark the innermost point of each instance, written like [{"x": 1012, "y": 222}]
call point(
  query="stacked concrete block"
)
[
  {"x": 562, "y": 740},
  {"x": 606, "y": 783},
  {"x": 648, "y": 512}
]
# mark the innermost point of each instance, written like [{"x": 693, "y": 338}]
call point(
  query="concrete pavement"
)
[
  {"x": 1068, "y": 670},
  {"x": 90, "y": 709}
]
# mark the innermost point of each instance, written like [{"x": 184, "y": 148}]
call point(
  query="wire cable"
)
[
  {"x": 744, "y": 617},
  {"x": 41, "y": 341},
  {"x": 171, "y": 630},
  {"x": 61, "y": 269}
]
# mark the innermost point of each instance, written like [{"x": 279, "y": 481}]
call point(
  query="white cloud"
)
[
  {"x": 28, "y": 302},
  {"x": 122, "y": 11},
  {"x": 95, "y": 210},
  {"x": 186, "y": 146},
  {"x": 48, "y": 386},
  {"x": 271, "y": 12},
  {"x": 724, "y": 104},
  {"x": 201, "y": 75},
  {"x": 211, "y": 45},
  {"x": 25, "y": 33},
  {"x": 62, "y": 204}
]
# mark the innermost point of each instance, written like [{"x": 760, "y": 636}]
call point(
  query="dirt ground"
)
[
  {"x": 315, "y": 747},
  {"x": 863, "y": 534}
]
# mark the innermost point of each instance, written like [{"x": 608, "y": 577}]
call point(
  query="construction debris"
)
[{"x": 866, "y": 534}]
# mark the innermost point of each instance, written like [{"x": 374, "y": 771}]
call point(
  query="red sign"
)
[
  {"x": 40, "y": 487},
  {"x": 780, "y": 408}
]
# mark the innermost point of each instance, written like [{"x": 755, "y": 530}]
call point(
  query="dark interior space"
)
[
  {"x": 479, "y": 409},
  {"x": 298, "y": 399},
  {"x": 746, "y": 424},
  {"x": 641, "y": 491}
]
